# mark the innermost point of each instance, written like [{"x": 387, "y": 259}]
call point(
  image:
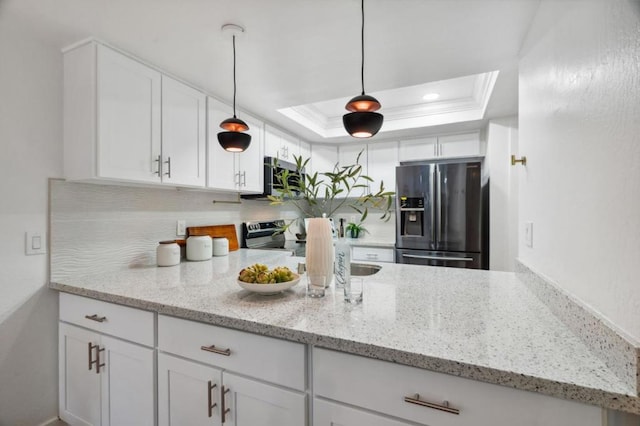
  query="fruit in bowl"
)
[
  {"x": 259, "y": 279},
  {"x": 260, "y": 274}
]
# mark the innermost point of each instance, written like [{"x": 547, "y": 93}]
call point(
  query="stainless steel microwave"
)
[{"x": 272, "y": 169}]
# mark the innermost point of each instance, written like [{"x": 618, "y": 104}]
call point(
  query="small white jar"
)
[
  {"x": 167, "y": 253},
  {"x": 220, "y": 246},
  {"x": 199, "y": 247}
]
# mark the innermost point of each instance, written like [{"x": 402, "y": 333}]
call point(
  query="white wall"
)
[
  {"x": 30, "y": 147},
  {"x": 579, "y": 128},
  {"x": 502, "y": 141}
]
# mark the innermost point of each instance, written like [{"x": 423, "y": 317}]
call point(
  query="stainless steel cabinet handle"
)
[
  {"x": 415, "y": 256},
  {"x": 168, "y": 163},
  {"x": 210, "y": 404},
  {"x": 442, "y": 407},
  {"x": 244, "y": 178},
  {"x": 224, "y": 409},
  {"x": 372, "y": 255},
  {"x": 96, "y": 318},
  {"x": 97, "y": 360},
  {"x": 237, "y": 180},
  {"x": 212, "y": 348},
  {"x": 157, "y": 160}
]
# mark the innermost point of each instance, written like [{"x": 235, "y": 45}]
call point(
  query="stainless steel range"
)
[{"x": 265, "y": 236}]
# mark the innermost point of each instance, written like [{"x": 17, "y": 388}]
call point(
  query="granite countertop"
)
[{"x": 482, "y": 325}]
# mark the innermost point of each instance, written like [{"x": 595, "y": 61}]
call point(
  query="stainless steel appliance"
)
[
  {"x": 272, "y": 168},
  {"x": 264, "y": 235},
  {"x": 442, "y": 214}
]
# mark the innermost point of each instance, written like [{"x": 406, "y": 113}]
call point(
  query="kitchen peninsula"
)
[{"x": 481, "y": 325}]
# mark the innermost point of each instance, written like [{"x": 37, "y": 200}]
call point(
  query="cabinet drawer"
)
[
  {"x": 265, "y": 358},
  {"x": 108, "y": 318},
  {"x": 382, "y": 386},
  {"x": 373, "y": 254}
]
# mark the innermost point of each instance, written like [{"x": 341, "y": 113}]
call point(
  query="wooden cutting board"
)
[{"x": 217, "y": 231}]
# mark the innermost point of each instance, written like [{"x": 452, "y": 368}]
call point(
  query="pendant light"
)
[
  {"x": 233, "y": 139},
  {"x": 362, "y": 121}
]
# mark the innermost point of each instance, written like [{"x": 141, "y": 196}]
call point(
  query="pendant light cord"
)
[
  {"x": 362, "y": 46},
  {"x": 234, "y": 76}
]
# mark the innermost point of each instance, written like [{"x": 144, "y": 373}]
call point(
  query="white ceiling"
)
[{"x": 299, "y": 52}]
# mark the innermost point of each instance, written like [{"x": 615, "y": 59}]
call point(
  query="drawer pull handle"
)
[
  {"x": 224, "y": 410},
  {"x": 442, "y": 407},
  {"x": 212, "y": 348},
  {"x": 210, "y": 404},
  {"x": 96, "y": 318}
]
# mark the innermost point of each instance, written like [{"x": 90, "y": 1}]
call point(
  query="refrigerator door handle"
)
[
  {"x": 415, "y": 256},
  {"x": 439, "y": 212},
  {"x": 433, "y": 208}
]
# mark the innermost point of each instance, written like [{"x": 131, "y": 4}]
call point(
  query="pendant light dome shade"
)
[
  {"x": 363, "y": 124},
  {"x": 233, "y": 140},
  {"x": 234, "y": 124},
  {"x": 363, "y": 103},
  {"x": 362, "y": 121}
]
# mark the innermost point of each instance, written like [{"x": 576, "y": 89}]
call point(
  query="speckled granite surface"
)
[{"x": 480, "y": 325}]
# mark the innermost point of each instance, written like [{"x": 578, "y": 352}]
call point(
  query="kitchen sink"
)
[{"x": 364, "y": 269}]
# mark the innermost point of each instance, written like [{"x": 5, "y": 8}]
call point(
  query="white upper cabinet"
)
[
  {"x": 242, "y": 172},
  {"x": 183, "y": 134},
  {"x": 448, "y": 146},
  {"x": 464, "y": 145},
  {"x": 282, "y": 146},
  {"x": 418, "y": 149},
  {"x": 125, "y": 121},
  {"x": 382, "y": 159},
  {"x": 323, "y": 158}
]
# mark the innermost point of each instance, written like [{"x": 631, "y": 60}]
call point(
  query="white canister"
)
[
  {"x": 167, "y": 253},
  {"x": 220, "y": 246},
  {"x": 199, "y": 247}
]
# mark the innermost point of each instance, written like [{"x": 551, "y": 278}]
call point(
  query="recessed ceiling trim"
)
[{"x": 467, "y": 100}]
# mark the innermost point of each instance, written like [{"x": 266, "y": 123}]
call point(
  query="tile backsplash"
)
[{"x": 96, "y": 227}]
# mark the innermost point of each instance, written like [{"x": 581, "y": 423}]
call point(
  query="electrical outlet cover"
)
[{"x": 528, "y": 234}]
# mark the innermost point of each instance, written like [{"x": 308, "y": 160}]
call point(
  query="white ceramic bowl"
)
[{"x": 269, "y": 289}]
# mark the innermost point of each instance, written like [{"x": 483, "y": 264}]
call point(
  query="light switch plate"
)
[
  {"x": 528, "y": 234},
  {"x": 35, "y": 242},
  {"x": 181, "y": 228}
]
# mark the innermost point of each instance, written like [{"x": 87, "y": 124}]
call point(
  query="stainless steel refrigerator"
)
[{"x": 442, "y": 214}]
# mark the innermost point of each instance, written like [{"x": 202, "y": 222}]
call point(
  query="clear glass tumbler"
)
[{"x": 316, "y": 285}]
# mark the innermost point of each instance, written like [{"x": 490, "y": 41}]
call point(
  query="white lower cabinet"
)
[
  {"x": 228, "y": 376},
  {"x": 327, "y": 413},
  {"x": 104, "y": 380},
  {"x": 437, "y": 399}
]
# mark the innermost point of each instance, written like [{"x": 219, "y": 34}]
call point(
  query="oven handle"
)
[{"x": 461, "y": 259}]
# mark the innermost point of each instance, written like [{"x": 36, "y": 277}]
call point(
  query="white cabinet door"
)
[
  {"x": 418, "y": 149},
  {"x": 128, "y": 125},
  {"x": 242, "y": 171},
  {"x": 221, "y": 167},
  {"x": 80, "y": 389},
  {"x": 382, "y": 160},
  {"x": 305, "y": 150},
  {"x": 187, "y": 392},
  {"x": 323, "y": 158},
  {"x": 183, "y": 134},
  {"x": 272, "y": 143},
  {"x": 326, "y": 413},
  {"x": 110, "y": 382},
  {"x": 250, "y": 163},
  {"x": 127, "y": 383},
  {"x": 253, "y": 403},
  {"x": 465, "y": 145}
]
